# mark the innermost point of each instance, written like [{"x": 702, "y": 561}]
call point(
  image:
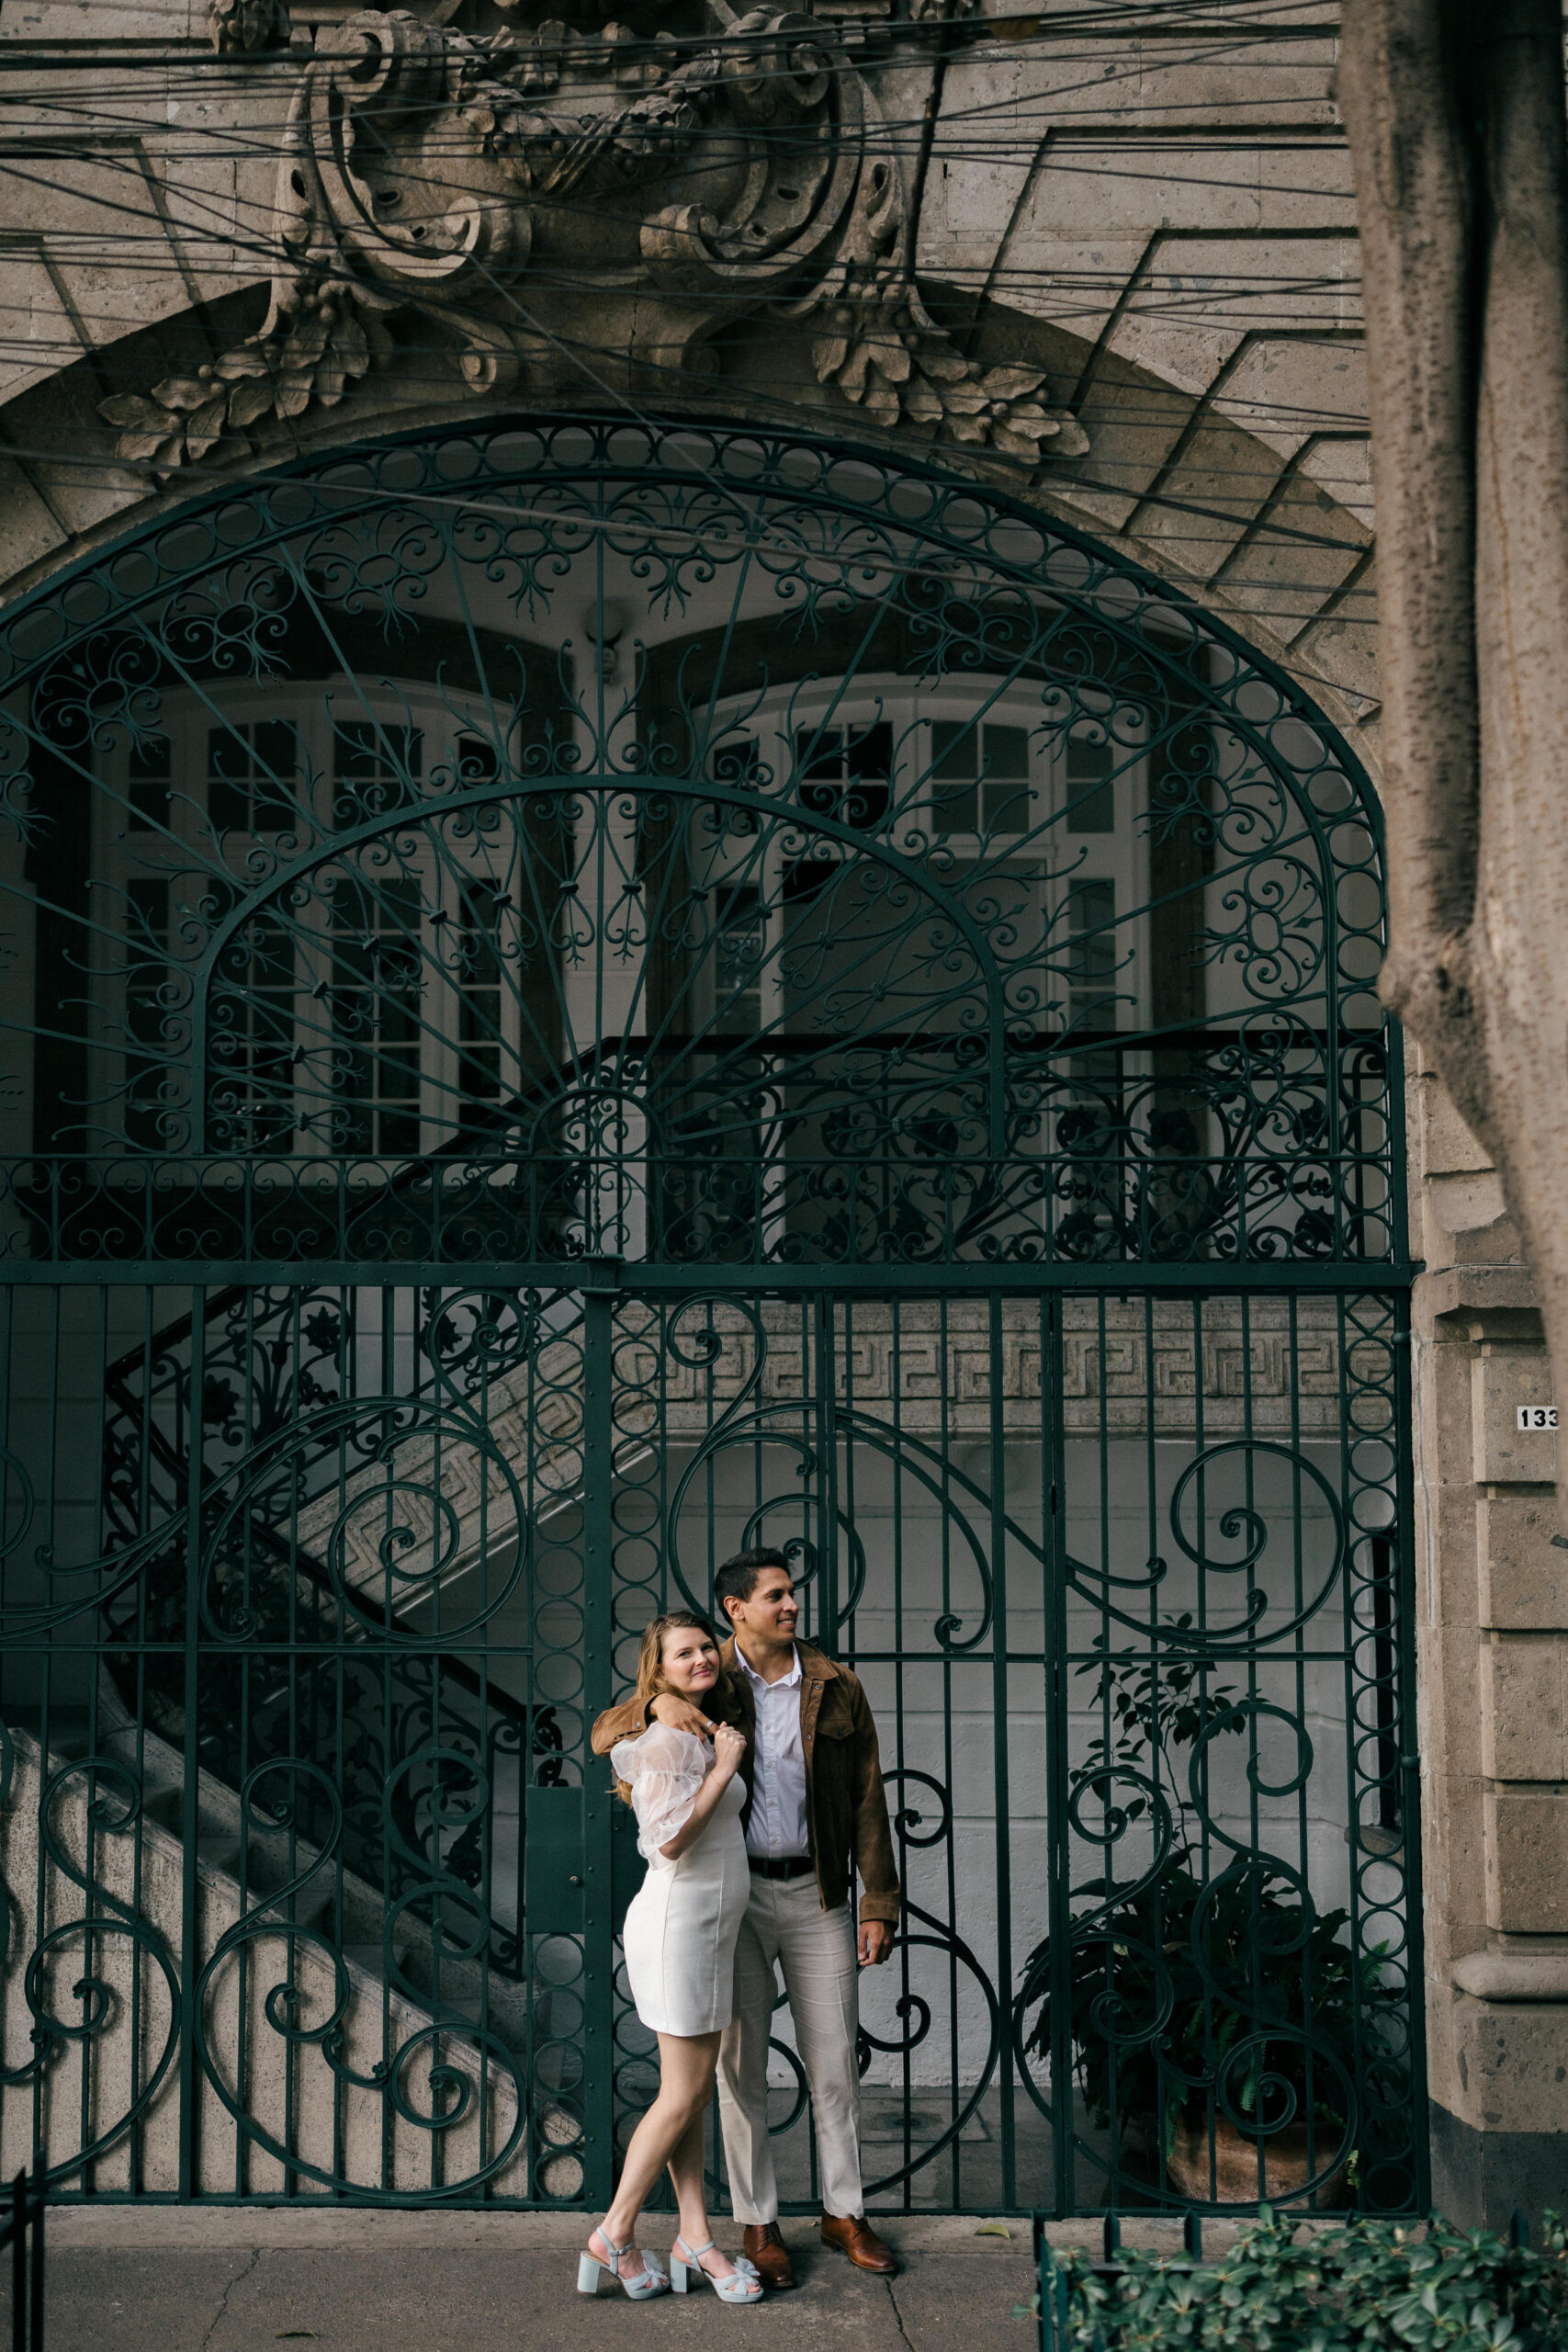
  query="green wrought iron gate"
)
[{"x": 596, "y": 994}]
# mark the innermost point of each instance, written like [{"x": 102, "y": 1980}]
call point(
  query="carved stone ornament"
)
[
  {"x": 240, "y": 25},
  {"x": 572, "y": 210}
]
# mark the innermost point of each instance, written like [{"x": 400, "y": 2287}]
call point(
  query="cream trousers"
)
[{"x": 785, "y": 1922}]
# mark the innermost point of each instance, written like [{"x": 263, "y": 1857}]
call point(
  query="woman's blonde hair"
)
[{"x": 651, "y": 1679}]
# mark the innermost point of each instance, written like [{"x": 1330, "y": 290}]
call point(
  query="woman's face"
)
[{"x": 691, "y": 1661}]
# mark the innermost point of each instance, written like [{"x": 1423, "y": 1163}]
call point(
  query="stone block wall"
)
[{"x": 1492, "y": 1605}]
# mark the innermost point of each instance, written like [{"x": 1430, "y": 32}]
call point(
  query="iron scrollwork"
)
[
  {"x": 1256, "y": 1621},
  {"x": 771, "y": 1427},
  {"x": 800, "y": 1021},
  {"x": 1215, "y": 2017},
  {"x": 867, "y": 1023},
  {"x": 79, "y": 1805},
  {"x": 468, "y": 2070}
]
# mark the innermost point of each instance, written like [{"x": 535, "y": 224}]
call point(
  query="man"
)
[{"x": 818, "y": 1816}]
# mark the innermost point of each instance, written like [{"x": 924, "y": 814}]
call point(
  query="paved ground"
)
[{"x": 248, "y": 2280}]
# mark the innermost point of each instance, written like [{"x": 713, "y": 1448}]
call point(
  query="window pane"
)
[
  {"x": 477, "y": 971},
  {"x": 377, "y": 988},
  {"x": 379, "y": 766},
  {"x": 1092, "y": 795},
  {"x": 821, "y": 767},
  {"x": 275, "y": 766},
  {"x": 955, "y": 804},
  {"x": 845, "y": 772},
  {"x": 147, "y": 930},
  {"x": 249, "y": 774},
  {"x": 740, "y": 946},
  {"x": 1006, "y": 779},
  {"x": 228, "y": 779},
  {"x": 1089, "y": 1127},
  {"x": 870, "y": 763},
  {"x": 250, "y": 1095},
  {"x": 478, "y": 762},
  {"x": 737, "y": 762},
  {"x": 149, "y": 779},
  {"x": 1091, "y": 918}
]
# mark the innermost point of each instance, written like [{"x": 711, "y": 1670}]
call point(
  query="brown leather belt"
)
[{"x": 787, "y": 1866}]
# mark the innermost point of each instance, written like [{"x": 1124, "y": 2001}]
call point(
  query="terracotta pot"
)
[{"x": 1234, "y": 2177}]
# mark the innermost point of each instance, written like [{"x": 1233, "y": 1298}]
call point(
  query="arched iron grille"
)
[{"x": 599, "y": 992}]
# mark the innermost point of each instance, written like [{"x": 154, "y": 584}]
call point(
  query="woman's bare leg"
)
[
  {"x": 691, "y": 2195},
  {"x": 686, "y": 2070}
]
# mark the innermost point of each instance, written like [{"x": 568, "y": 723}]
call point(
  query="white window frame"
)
[{"x": 124, "y": 854}]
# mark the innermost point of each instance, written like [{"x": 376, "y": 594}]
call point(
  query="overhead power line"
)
[{"x": 58, "y": 149}]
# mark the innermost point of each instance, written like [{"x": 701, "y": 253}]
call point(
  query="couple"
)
[{"x": 753, "y": 1771}]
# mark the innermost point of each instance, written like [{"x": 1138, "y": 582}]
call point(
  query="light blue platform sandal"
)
[
  {"x": 745, "y": 2286},
  {"x": 597, "y": 2277}
]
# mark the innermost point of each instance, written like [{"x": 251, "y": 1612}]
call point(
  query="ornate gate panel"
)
[
  {"x": 1119, "y": 1576},
  {"x": 600, "y": 992}
]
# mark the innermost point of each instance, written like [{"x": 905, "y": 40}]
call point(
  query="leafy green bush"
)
[{"x": 1412, "y": 2288}]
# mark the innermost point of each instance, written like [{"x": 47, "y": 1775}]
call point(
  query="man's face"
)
[{"x": 772, "y": 1612}]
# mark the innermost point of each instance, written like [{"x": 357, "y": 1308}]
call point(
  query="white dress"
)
[{"x": 680, "y": 1933}]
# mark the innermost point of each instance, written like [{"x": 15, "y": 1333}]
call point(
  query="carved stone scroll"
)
[{"x": 554, "y": 207}]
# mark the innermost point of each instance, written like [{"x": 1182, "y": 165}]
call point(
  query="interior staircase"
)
[{"x": 345, "y": 1881}]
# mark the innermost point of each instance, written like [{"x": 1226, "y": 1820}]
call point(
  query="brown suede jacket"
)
[{"x": 846, "y": 1809}]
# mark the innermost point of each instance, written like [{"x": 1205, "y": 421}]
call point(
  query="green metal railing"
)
[{"x": 569, "y": 1115}]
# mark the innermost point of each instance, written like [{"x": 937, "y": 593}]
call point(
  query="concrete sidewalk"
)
[{"x": 167, "y": 2280}]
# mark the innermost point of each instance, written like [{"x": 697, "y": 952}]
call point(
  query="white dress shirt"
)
[{"x": 777, "y": 1829}]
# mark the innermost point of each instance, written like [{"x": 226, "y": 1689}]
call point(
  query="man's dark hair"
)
[{"x": 737, "y": 1580}]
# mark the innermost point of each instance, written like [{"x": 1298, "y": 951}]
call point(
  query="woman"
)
[{"x": 679, "y": 1941}]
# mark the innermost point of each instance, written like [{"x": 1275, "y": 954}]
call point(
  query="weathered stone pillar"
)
[{"x": 1492, "y": 1608}]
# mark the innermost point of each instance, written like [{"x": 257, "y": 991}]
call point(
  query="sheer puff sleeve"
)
[{"x": 664, "y": 1769}]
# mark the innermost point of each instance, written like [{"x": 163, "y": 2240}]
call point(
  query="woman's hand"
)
[
  {"x": 729, "y": 1747},
  {"x": 679, "y": 1714}
]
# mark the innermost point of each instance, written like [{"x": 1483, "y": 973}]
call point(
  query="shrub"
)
[{"x": 1408, "y": 2287}]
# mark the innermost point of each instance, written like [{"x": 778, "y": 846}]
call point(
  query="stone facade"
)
[
  {"x": 1116, "y": 275},
  {"x": 1493, "y": 1612}
]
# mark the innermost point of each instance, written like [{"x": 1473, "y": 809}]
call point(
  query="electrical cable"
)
[{"x": 1290, "y": 289}]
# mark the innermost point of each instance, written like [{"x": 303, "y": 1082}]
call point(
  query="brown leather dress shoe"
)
[
  {"x": 762, "y": 2243},
  {"x": 856, "y": 2238}
]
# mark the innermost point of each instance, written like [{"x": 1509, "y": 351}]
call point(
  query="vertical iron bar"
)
[
  {"x": 1059, "y": 1919},
  {"x": 828, "y": 1443},
  {"x": 1299, "y": 1695},
  {"x": 89, "y": 2172},
  {"x": 191, "y": 1788},
  {"x": 35, "y": 2311},
  {"x": 1000, "y": 1725},
  {"x": 1152, "y": 1545},
  {"x": 46, "y": 1680},
  {"x": 139, "y": 1729},
  {"x": 1116, "y": 2117},
  {"x": 946, "y": 1392},
  {"x": 598, "y": 2022},
  {"x": 895, "y": 1414},
  {"x": 18, "y": 2262}
]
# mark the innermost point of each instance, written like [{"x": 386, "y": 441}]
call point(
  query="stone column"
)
[{"x": 1492, "y": 1610}]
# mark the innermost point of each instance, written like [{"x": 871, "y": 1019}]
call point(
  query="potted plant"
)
[{"x": 1213, "y": 2013}]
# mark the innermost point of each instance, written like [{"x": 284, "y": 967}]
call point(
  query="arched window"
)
[{"x": 822, "y": 863}]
